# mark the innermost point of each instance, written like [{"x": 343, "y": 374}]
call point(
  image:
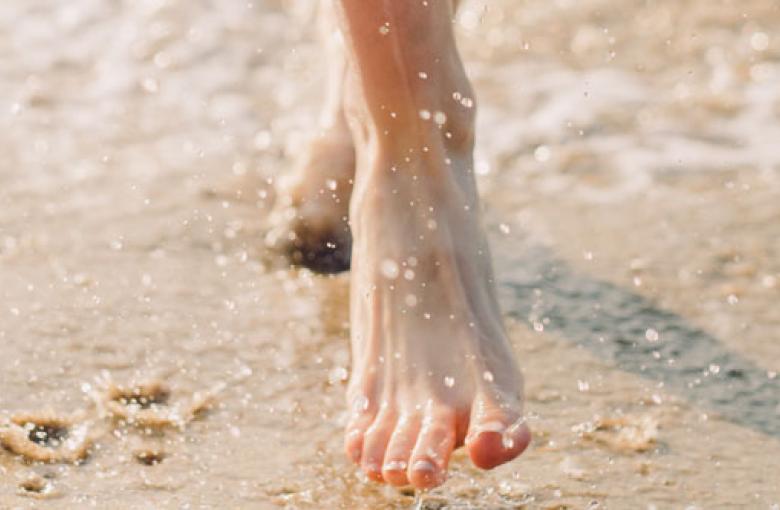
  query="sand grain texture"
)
[{"x": 630, "y": 148}]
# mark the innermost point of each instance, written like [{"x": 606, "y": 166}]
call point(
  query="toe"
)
[
  {"x": 496, "y": 435},
  {"x": 399, "y": 450},
  {"x": 355, "y": 433},
  {"x": 431, "y": 454},
  {"x": 375, "y": 444}
]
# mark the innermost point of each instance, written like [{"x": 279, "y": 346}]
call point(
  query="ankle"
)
[
  {"x": 332, "y": 138},
  {"x": 442, "y": 127},
  {"x": 432, "y": 113}
]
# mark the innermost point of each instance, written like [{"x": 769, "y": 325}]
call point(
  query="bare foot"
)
[
  {"x": 432, "y": 365},
  {"x": 312, "y": 220}
]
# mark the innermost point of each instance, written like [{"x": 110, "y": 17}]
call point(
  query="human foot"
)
[
  {"x": 432, "y": 365},
  {"x": 312, "y": 219}
]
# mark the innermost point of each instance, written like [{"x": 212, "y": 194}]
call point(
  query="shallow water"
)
[{"x": 627, "y": 159}]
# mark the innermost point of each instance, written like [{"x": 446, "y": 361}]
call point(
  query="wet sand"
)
[{"x": 627, "y": 157}]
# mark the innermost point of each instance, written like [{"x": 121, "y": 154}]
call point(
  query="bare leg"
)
[
  {"x": 432, "y": 365},
  {"x": 313, "y": 217}
]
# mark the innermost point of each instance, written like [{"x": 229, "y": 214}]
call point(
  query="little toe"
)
[
  {"x": 431, "y": 454},
  {"x": 375, "y": 445},
  {"x": 496, "y": 436},
  {"x": 354, "y": 436},
  {"x": 399, "y": 450}
]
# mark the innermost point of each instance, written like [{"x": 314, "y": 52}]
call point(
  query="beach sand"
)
[{"x": 162, "y": 357}]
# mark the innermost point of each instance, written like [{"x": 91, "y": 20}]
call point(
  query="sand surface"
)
[{"x": 628, "y": 157}]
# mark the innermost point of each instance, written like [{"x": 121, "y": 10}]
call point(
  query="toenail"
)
[
  {"x": 424, "y": 465},
  {"x": 395, "y": 465},
  {"x": 491, "y": 426}
]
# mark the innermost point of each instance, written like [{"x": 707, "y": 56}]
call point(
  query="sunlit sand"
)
[{"x": 156, "y": 352}]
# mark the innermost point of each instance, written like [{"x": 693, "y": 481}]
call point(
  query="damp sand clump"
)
[
  {"x": 46, "y": 437},
  {"x": 624, "y": 434},
  {"x": 36, "y": 486},
  {"x": 149, "y": 405}
]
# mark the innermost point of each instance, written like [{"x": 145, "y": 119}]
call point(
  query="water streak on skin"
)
[{"x": 535, "y": 284}]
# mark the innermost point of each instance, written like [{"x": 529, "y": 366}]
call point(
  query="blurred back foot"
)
[{"x": 311, "y": 220}]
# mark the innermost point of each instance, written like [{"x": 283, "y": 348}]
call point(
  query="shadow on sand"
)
[{"x": 612, "y": 323}]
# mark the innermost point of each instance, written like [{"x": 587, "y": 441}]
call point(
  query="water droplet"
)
[
  {"x": 425, "y": 114},
  {"x": 389, "y": 269},
  {"x": 423, "y": 75},
  {"x": 440, "y": 118},
  {"x": 542, "y": 154},
  {"x": 504, "y": 228},
  {"x": 410, "y": 300},
  {"x": 759, "y": 41},
  {"x": 262, "y": 140},
  {"x": 507, "y": 442},
  {"x": 337, "y": 375},
  {"x": 150, "y": 85},
  {"x": 449, "y": 382},
  {"x": 651, "y": 335},
  {"x": 583, "y": 385},
  {"x": 409, "y": 275},
  {"x": 331, "y": 184},
  {"x": 488, "y": 376},
  {"x": 360, "y": 404},
  {"x": 385, "y": 29}
]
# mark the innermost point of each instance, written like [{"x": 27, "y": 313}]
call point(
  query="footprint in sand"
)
[
  {"x": 150, "y": 406},
  {"x": 36, "y": 486},
  {"x": 47, "y": 437},
  {"x": 149, "y": 455},
  {"x": 623, "y": 434}
]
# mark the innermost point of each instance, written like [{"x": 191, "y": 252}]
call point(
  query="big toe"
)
[{"x": 496, "y": 436}]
